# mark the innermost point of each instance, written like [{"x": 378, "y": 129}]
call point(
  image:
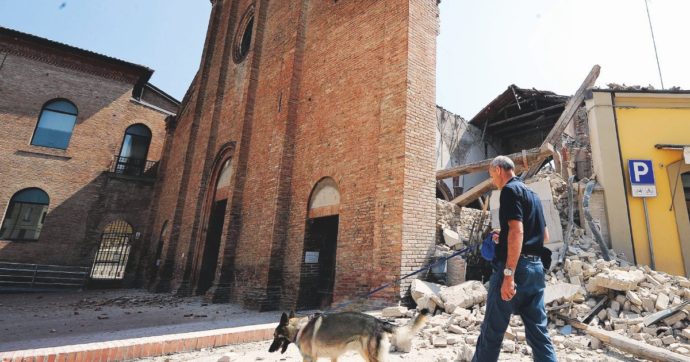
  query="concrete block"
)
[
  {"x": 464, "y": 295},
  {"x": 618, "y": 279},
  {"x": 662, "y": 301},
  {"x": 563, "y": 292}
]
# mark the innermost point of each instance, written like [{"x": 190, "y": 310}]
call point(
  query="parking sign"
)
[{"x": 642, "y": 178}]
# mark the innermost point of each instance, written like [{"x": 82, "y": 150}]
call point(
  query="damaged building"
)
[{"x": 518, "y": 119}]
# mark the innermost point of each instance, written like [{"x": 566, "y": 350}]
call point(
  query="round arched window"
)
[
  {"x": 243, "y": 36},
  {"x": 25, "y": 215},
  {"x": 55, "y": 124}
]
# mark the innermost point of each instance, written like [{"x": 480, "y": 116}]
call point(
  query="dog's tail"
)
[{"x": 402, "y": 336}]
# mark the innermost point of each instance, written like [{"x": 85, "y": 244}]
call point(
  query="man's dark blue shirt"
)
[{"x": 518, "y": 202}]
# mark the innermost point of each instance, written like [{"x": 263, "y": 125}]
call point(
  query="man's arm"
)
[
  {"x": 515, "y": 236},
  {"x": 546, "y": 235}
]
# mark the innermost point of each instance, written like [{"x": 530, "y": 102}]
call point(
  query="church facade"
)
[{"x": 299, "y": 171}]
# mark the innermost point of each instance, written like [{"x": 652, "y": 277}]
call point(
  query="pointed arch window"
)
[
  {"x": 25, "y": 215},
  {"x": 55, "y": 124}
]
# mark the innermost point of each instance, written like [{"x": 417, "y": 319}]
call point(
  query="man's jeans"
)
[{"x": 528, "y": 303}]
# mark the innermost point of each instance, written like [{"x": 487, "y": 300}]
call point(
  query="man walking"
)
[{"x": 517, "y": 284}]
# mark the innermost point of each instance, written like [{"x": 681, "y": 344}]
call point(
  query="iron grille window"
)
[{"x": 111, "y": 258}]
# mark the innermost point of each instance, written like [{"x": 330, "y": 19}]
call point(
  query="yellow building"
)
[{"x": 652, "y": 126}]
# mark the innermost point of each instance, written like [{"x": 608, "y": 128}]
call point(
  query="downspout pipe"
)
[
  {"x": 595, "y": 229},
  {"x": 569, "y": 229}
]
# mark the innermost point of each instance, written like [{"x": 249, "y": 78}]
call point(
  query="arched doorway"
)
[
  {"x": 111, "y": 258},
  {"x": 216, "y": 219},
  {"x": 320, "y": 244}
]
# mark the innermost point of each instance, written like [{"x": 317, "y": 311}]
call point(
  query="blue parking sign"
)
[{"x": 642, "y": 178}]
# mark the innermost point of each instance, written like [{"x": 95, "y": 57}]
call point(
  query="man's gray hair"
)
[{"x": 503, "y": 162}]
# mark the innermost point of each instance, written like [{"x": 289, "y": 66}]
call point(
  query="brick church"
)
[{"x": 299, "y": 170}]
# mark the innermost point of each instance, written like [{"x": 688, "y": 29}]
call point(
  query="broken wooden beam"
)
[
  {"x": 626, "y": 344},
  {"x": 473, "y": 193},
  {"x": 571, "y": 107},
  {"x": 653, "y": 318},
  {"x": 536, "y": 165},
  {"x": 530, "y": 155},
  {"x": 598, "y": 307}
]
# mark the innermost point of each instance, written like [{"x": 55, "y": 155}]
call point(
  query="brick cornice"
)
[
  {"x": 75, "y": 64},
  {"x": 70, "y": 57}
]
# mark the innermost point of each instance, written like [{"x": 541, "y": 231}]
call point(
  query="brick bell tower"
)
[{"x": 300, "y": 170}]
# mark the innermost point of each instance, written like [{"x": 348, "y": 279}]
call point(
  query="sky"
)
[{"x": 483, "y": 47}]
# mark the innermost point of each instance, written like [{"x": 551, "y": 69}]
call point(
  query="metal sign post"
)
[
  {"x": 649, "y": 234},
  {"x": 642, "y": 184}
]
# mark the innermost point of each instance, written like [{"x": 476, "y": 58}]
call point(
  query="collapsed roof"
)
[{"x": 520, "y": 118}]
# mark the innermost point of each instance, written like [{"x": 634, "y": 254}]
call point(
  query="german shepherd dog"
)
[{"x": 331, "y": 335}]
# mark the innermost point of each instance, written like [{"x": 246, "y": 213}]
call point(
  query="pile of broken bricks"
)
[
  {"x": 608, "y": 296},
  {"x": 593, "y": 305}
]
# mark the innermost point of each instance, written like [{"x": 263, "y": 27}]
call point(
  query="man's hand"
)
[{"x": 508, "y": 288}]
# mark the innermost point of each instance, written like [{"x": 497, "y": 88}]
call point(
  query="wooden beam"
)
[
  {"x": 572, "y": 106},
  {"x": 626, "y": 344},
  {"x": 473, "y": 193},
  {"x": 477, "y": 191},
  {"x": 536, "y": 166},
  {"x": 653, "y": 318},
  {"x": 538, "y": 111},
  {"x": 526, "y": 127},
  {"x": 532, "y": 155}
]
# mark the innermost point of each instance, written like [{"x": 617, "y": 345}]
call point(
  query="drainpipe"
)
[
  {"x": 590, "y": 222},
  {"x": 569, "y": 229}
]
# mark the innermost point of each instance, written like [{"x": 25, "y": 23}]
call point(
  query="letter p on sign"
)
[
  {"x": 642, "y": 178},
  {"x": 639, "y": 169}
]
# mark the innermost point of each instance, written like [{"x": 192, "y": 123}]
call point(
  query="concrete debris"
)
[
  {"x": 614, "y": 296},
  {"x": 451, "y": 218},
  {"x": 450, "y": 237},
  {"x": 425, "y": 294},
  {"x": 563, "y": 292},
  {"x": 464, "y": 295},
  {"x": 624, "y": 87},
  {"x": 620, "y": 280}
]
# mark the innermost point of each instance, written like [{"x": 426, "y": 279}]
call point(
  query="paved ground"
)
[
  {"x": 258, "y": 351},
  {"x": 29, "y": 321}
]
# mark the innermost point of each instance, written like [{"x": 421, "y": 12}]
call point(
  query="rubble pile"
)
[
  {"x": 605, "y": 295},
  {"x": 452, "y": 218},
  {"x": 608, "y": 295},
  {"x": 623, "y": 298},
  {"x": 559, "y": 190}
]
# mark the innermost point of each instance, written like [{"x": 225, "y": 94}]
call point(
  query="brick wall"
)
[
  {"x": 82, "y": 197},
  {"x": 329, "y": 89}
]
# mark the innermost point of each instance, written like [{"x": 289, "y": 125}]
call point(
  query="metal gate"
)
[{"x": 111, "y": 259}]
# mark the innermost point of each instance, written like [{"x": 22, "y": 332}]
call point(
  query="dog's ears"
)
[
  {"x": 283, "y": 319},
  {"x": 292, "y": 314}
]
